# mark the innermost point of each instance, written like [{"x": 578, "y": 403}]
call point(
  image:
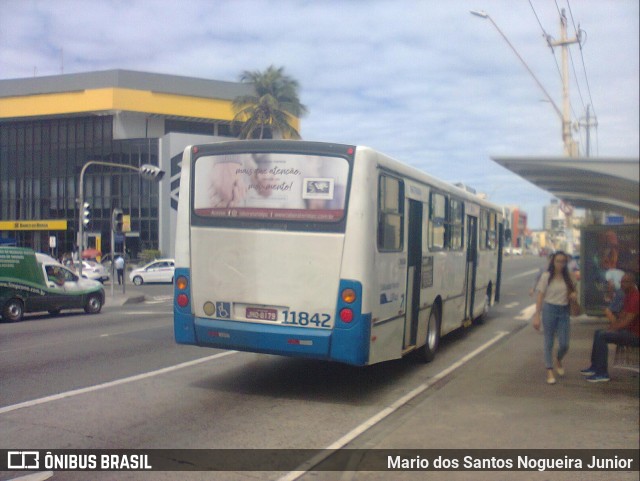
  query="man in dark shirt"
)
[{"x": 624, "y": 329}]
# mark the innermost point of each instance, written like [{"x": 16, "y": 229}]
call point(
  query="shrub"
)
[{"x": 148, "y": 255}]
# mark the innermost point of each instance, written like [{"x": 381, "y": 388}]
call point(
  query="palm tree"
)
[{"x": 273, "y": 107}]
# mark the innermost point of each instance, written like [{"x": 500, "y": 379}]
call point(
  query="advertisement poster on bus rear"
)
[{"x": 271, "y": 186}]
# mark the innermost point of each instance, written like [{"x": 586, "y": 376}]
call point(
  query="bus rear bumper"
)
[{"x": 268, "y": 339}]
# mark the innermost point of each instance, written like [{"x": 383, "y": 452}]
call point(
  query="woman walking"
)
[{"x": 556, "y": 290}]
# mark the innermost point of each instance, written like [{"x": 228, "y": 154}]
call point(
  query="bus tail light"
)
[
  {"x": 183, "y": 300},
  {"x": 349, "y": 307},
  {"x": 182, "y": 283},
  {"x": 346, "y": 315},
  {"x": 349, "y": 296}
]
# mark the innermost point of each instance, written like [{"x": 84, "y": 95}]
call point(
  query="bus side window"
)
[
  {"x": 492, "y": 233},
  {"x": 437, "y": 218},
  {"x": 390, "y": 214},
  {"x": 455, "y": 225},
  {"x": 488, "y": 230}
]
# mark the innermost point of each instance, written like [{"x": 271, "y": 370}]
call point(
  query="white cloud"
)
[{"x": 422, "y": 80}]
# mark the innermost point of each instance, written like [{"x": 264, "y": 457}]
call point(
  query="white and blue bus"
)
[{"x": 327, "y": 251}]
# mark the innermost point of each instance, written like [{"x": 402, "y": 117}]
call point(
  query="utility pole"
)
[
  {"x": 570, "y": 146},
  {"x": 588, "y": 123}
]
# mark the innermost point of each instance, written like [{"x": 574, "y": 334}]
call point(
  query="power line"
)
[
  {"x": 568, "y": 110},
  {"x": 544, "y": 34},
  {"x": 590, "y": 119},
  {"x": 548, "y": 38},
  {"x": 582, "y": 36}
]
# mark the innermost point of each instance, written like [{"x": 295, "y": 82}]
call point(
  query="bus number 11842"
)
[{"x": 301, "y": 318}]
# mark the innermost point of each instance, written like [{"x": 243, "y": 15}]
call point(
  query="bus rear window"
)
[{"x": 278, "y": 186}]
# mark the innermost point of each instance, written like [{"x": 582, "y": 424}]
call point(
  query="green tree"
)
[{"x": 274, "y": 105}]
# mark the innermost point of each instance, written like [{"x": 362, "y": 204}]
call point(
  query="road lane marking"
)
[
  {"x": 146, "y": 313},
  {"x": 66, "y": 341},
  {"x": 524, "y": 274},
  {"x": 372, "y": 421},
  {"x": 117, "y": 382},
  {"x": 34, "y": 477},
  {"x": 526, "y": 313},
  {"x": 511, "y": 305}
]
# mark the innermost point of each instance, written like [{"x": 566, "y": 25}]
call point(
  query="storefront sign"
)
[{"x": 33, "y": 225}]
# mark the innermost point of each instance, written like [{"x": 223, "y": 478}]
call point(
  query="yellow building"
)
[{"x": 51, "y": 126}]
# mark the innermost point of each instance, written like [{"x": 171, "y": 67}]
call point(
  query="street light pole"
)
[
  {"x": 570, "y": 147},
  {"x": 488, "y": 17},
  {"x": 148, "y": 171}
]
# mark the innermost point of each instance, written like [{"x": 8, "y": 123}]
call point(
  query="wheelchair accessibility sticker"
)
[{"x": 223, "y": 310}]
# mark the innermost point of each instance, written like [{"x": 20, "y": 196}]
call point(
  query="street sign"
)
[{"x": 614, "y": 220}]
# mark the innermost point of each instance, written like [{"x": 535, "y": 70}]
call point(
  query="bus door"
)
[
  {"x": 472, "y": 264},
  {"x": 414, "y": 265}
]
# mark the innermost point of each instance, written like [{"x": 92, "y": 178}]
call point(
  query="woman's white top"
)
[{"x": 555, "y": 293}]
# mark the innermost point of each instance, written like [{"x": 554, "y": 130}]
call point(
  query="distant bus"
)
[{"x": 327, "y": 251}]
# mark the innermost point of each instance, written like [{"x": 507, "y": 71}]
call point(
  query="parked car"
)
[
  {"x": 160, "y": 270},
  {"x": 95, "y": 271}
]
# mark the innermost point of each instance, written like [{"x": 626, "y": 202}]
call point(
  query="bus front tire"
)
[
  {"x": 428, "y": 351},
  {"x": 13, "y": 310}
]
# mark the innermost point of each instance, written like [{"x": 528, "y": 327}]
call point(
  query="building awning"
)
[{"x": 601, "y": 184}]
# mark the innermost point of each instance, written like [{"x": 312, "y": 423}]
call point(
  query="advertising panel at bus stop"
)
[{"x": 607, "y": 252}]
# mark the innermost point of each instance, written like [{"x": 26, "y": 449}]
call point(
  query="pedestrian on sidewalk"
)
[
  {"x": 119, "y": 264},
  {"x": 624, "y": 329},
  {"x": 541, "y": 271},
  {"x": 556, "y": 290}
]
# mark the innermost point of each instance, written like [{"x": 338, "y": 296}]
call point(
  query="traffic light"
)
[
  {"x": 117, "y": 220},
  {"x": 85, "y": 213},
  {"x": 151, "y": 172}
]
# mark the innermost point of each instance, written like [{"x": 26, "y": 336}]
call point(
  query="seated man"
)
[{"x": 624, "y": 329}]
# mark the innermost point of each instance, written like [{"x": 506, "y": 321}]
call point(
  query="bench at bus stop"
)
[{"x": 627, "y": 357}]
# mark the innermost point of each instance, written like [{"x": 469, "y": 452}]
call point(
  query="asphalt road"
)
[{"x": 118, "y": 380}]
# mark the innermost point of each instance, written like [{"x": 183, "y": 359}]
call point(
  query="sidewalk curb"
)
[
  {"x": 134, "y": 299},
  {"x": 121, "y": 300}
]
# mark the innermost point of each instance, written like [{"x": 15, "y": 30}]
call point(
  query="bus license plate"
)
[{"x": 262, "y": 314}]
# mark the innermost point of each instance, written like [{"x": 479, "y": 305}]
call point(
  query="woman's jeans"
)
[{"x": 555, "y": 320}]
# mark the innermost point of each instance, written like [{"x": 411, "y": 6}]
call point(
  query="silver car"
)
[{"x": 95, "y": 271}]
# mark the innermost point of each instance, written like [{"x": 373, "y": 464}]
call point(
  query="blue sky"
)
[{"x": 421, "y": 80}]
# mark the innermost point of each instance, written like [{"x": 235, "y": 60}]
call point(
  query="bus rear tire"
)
[
  {"x": 13, "y": 310},
  {"x": 428, "y": 351}
]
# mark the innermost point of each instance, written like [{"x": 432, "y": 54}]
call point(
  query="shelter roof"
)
[{"x": 605, "y": 183}]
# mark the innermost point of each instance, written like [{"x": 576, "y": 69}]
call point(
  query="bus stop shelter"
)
[{"x": 599, "y": 184}]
